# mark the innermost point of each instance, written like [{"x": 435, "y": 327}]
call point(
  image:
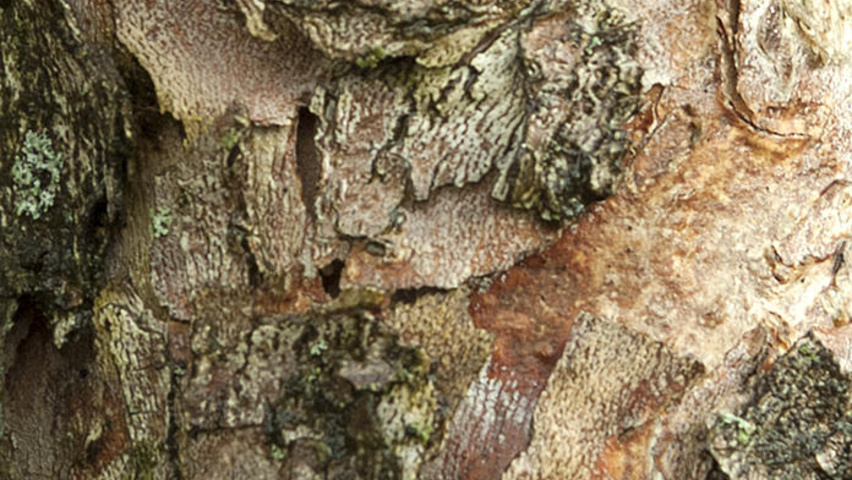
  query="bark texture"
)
[{"x": 438, "y": 239}]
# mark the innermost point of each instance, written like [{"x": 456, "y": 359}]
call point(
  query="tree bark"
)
[{"x": 438, "y": 239}]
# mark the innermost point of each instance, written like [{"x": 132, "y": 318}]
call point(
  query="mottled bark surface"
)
[{"x": 439, "y": 239}]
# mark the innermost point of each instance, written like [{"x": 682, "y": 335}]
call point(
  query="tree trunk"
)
[{"x": 438, "y": 239}]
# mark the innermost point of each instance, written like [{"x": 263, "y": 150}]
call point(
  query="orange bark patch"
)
[{"x": 625, "y": 456}]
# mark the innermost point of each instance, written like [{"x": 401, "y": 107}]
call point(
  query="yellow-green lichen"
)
[
  {"x": 371, "y": 60},
  {"x": 744, "y": 428},
  {"x": 277, "y": 453},
  {"x": 230, "y": 139},
  {"x": 35, "y": 175},
  {"x": 144, "y": 458}
]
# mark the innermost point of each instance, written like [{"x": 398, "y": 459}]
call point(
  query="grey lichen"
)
[
  {"x": 161, "y": 220},
  {"x": 35, "y": 175},
  {"x": 359, "y": 402},
  {"x": 581, "y": 163}
]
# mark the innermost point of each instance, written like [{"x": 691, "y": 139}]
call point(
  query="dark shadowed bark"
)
[{"x": 438, "y": 239}]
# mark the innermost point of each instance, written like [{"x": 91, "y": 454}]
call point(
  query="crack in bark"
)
[
  {"x": 330, "y": 275},
  {"x": 307, "y": 159},
  {"x": 173, "y": 428}
]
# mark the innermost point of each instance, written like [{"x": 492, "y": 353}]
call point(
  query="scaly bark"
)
[{"x": 439, "y": 239}]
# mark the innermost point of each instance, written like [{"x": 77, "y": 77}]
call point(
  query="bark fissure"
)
[{"x": 307, "y": 159}]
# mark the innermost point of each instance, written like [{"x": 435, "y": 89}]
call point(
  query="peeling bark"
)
[{"x": 439, "y": 239}]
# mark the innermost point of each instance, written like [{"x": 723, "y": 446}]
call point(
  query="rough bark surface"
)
[{"x": 438, "y": 239}]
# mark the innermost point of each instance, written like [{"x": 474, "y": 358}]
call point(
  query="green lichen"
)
[
  {"x": 161, "y": 220},
  {"x": 35, "y": 176},
  {"x": 420, "y": 431},
  {"x": 808, "y": 353},
  {"x": 230, "y": 139},
  {"x": 371, "y": 60},
  {"x": 318, "y": 348},
  {"x": 277, "y": 453},
  {"x": 744, "y": 428}
]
